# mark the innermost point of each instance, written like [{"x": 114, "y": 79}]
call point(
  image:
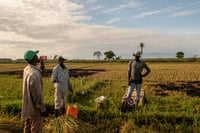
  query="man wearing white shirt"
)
[{"x": 61, "y": 79}]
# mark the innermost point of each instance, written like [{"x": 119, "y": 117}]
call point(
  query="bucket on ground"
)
[
  {"x": 72, "y": 110},
  {"x": 103, "y": 102}
]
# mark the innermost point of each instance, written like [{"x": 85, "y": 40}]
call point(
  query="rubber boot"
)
[
  {"x": 56, "y": 113},
  {"x": 63, "y": 110}
]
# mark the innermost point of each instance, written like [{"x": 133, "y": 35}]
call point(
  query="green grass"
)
[{"x": 176, "y": 111}]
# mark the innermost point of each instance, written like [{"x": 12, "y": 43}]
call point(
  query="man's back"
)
[{"x": 32, "y": 92}]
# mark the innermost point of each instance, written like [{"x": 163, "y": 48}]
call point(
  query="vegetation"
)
[
  {"x": 180, "y": 54},
  {"x": 109, "y": 55},
  {"x": 98, "y": 54},
  {"x": 172, "y": 92}
]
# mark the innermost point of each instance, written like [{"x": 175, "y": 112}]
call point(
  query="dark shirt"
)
[{"x": 135, "y": 69}]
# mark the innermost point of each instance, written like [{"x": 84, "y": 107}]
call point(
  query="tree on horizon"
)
[
  {"x": 98, "y": 54},
  {"x": 180, "y": 54},
  {"x": 109, "y": 55},
  {"x": 54, "y": 57}
]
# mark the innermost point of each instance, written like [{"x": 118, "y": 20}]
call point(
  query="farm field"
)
[{"x": 172, "y": 91}]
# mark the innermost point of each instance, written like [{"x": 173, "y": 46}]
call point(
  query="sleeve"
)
[
  {"x": 37, "y": 93},
  {"x": 42, "y": 68},
  {"x": 54, "y": 74},
  {"x": 148, "y": 70},
  {"x": 129, "y": 70}
]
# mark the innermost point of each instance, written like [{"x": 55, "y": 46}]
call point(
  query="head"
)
[
  {"x": 60, "y": 60},
  {"x": 31, "y": 57},
  {"x": 137, "y": 55}
]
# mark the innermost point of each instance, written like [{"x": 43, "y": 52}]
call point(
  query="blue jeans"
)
[{"x": 131, "y": 89}]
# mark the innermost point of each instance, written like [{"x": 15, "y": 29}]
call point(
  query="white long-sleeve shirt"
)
[
  {"x": 32, "y": 101},
  {"x": 61, "y": 76}
]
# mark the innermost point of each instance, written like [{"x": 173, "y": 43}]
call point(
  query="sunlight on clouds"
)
[
  {"x": 11, "y": 3},
  {"x": 40, "y": 12}
]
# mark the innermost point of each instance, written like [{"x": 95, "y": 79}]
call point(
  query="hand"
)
[
  {"x": 129, "y": 82},
  {"x": 53, "y": 80},
  {"x": 45, "y": 113}
]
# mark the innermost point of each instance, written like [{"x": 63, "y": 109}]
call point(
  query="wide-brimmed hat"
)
[
  {"x": 137, "y": 53},
  {"x": 29, "y": 55}
]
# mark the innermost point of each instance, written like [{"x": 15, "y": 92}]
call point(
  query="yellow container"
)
[{"x": 72, "y": 110}]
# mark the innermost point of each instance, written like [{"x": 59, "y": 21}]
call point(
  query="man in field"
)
[
  {"x": 60, "y": 78},
  {"x": 33, "y": 108},
  {"x": 135, "y": 68}
]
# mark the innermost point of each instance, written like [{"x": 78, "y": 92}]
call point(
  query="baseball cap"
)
[
  {"x": 29, "y": 55},
  {"x": 60, "y": 58},
  {"x": 137, "y": 53}
]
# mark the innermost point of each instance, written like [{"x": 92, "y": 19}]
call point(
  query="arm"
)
[
  {"x": 148, "y": 70},
  {"x": 37, "y": 93},
  {"x": 42, "y": 67},
  {"x": 54, "y": 75},
  {"x": 129, "y": 71}
]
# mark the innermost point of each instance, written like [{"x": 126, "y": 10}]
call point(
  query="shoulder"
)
[
  {"x": 67, "y": 67},
  {"x": 143, "y": 63},
  {"x": 131, "y": 61},
  {"x": 34, "y": 74},
  {"x": 56, "y": 67}
]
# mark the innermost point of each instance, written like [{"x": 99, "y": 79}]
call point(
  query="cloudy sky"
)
[{"x": 78, "y": 28}]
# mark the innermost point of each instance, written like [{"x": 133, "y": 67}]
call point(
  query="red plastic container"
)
[{"x": 72, "y": 110}]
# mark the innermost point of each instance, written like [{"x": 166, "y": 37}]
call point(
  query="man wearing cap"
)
[
  {"x": 135, "y": 75},
  {"x": 60, "y": 78},
  {"x": 33, "y": 108}
]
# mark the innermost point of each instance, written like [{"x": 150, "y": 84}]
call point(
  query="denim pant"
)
[{"x": 131, "y": 89}]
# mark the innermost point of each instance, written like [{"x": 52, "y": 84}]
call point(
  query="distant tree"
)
[
  {"x": 141, "y": 47},
  {"x": 98, "y": 54},
  {"x": 118, "y": 57},
  {"x": 180, "y": 54},
  {"x": 195, "y": 56},
  {"x": 54, "y": 57},
  {"x": 109, "y": 55}
]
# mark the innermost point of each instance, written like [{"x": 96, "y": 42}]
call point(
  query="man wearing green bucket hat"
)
[{"x": 33, "y": 108}]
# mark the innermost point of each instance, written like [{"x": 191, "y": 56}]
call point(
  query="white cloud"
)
[
  {"x": 113, "y": 20},
  {"x": 171, "y": 9},
  {"x": 132, "y": 4},
  {"x": 145, "y": 14},
  {"x": 183, "y": 13},
  {"x": 96, "y": 8},
  {"x": 91, "y": 1},
  {"x": 54, "y": 27}
]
